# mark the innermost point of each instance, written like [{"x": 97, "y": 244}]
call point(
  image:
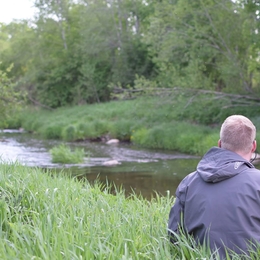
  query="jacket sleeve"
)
[
  {"x": 176, "y": 213},
  {"x": 175, "y": 218}
]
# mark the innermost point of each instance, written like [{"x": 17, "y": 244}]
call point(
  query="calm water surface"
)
[{"x": 141, "y": 171}]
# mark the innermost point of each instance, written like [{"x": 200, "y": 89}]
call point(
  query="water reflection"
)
[
  {"x": 146, "y": 179},
  {"x": 141, "y": 171}
]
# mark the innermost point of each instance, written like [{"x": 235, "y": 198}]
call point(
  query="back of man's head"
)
[{"x": 237, "y": 134}]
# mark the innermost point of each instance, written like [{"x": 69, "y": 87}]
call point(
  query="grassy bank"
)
[
  {"x": 152, "y": 122},
  {"x": 45, "y": 217},
  {"x": 56, "y": 217}
]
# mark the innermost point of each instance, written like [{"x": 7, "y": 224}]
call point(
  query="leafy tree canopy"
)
[
  {"x": 10, "y": 98},
  {"x": 77, "y": 52}
]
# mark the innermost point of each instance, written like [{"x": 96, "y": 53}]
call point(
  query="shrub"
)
[
  {"x": 52, "y": 131},
  {"x": 155, "y": 137},
  {"x": 81, "y": 130},
  {"x": 87, "y": 130},
  {"x": 207, "y": 142},
  {"x": 69, "y": 133},
  {"x": 121, "y": 129},
  {"x": 63, "y": 154},
  {"x": 139, "y": 136},
  {"x": 101, "y": 127}
]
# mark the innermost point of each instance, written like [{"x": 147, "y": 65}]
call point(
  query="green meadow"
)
[{"x": 163, "y": 122}]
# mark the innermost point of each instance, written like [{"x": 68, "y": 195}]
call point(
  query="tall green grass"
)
[
  {"x": 54, "y": 217},
  {"x": 63, "y": 154},
  {"x": 51, "y": 216}
]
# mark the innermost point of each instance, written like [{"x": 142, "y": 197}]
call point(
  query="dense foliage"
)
[
  {"x": 76, "y": 52},
  {"x": 10, "y": 98}
]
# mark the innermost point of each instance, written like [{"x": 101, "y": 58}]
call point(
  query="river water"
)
[{"x": 142, "y": 171}]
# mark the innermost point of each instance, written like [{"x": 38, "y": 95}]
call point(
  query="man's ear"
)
[
  {"x": 254, "y": 146},
  {"x": 219, "y": 143}
]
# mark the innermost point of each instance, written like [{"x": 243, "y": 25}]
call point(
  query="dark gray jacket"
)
[{"x": 220, "y": 202}]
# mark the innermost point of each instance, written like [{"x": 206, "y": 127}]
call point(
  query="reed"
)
[
  {"x": 64, "y": 154},
  {"x": 46, "y": 215}
]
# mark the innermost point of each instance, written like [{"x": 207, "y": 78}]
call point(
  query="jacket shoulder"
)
[{"x": 184, "y": 184}]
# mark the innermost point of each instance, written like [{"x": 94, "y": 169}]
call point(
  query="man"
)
[{"x": 219, "y": 203}]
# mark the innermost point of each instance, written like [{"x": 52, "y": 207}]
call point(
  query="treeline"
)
[{"x": 78, "y": 52}]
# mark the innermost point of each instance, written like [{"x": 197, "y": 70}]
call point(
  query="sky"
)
[{"x": 15, "y": 9}]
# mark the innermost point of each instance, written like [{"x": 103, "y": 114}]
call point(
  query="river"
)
[{"x": 142, "y": 171}]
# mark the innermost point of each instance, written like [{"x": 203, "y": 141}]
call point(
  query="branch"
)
[{"x": 39, "y": 104}]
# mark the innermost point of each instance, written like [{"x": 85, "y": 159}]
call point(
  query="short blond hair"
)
[{"x": 237, "y": 134}]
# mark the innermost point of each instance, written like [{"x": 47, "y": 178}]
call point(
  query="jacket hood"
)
[{"x": 219, "y": 164}]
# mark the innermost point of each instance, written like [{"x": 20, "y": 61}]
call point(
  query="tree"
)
[
  {"x": 73, "y": 51},
  {"x": 201, "y": 44},
  {"x": 17, "y": 38},
  {"x": 10, "y": 99},
  {"x": 53, "y": 70},
  {"x": 251, "y": 30}
]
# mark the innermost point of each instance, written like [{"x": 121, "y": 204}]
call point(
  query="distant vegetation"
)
[
  {"x": 82, "y": 52},
  {"x": 170, "y": 122},
  {"x": 11, "y": 99},
  {"x": 190, "y": 63}
]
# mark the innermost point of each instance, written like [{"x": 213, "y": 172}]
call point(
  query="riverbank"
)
[
  {"x": 46, "y": 216},
  {"x": 150, "y": 122}
]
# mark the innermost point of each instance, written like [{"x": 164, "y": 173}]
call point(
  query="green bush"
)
[
  {"x": 121, "y": 129},
  {"x": 52, "y": 131},
  {"x": 30, "y": 124},
  {"x": 69, "y": 133},
  {"x": 139, "y": 136},
  {"x": 89, "y": 130},
  {"x": 202, "y": 109},
  {"x": 207, "y": 142},
  {"x": 155, "y": 137},
  {"x": 63, "y": 154},
  {"x": 187, "y": 143},
  {"x": 101, "y": 127},
  {"x": 83, "y": 130},
  {"x": 179, "y": 136}
]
